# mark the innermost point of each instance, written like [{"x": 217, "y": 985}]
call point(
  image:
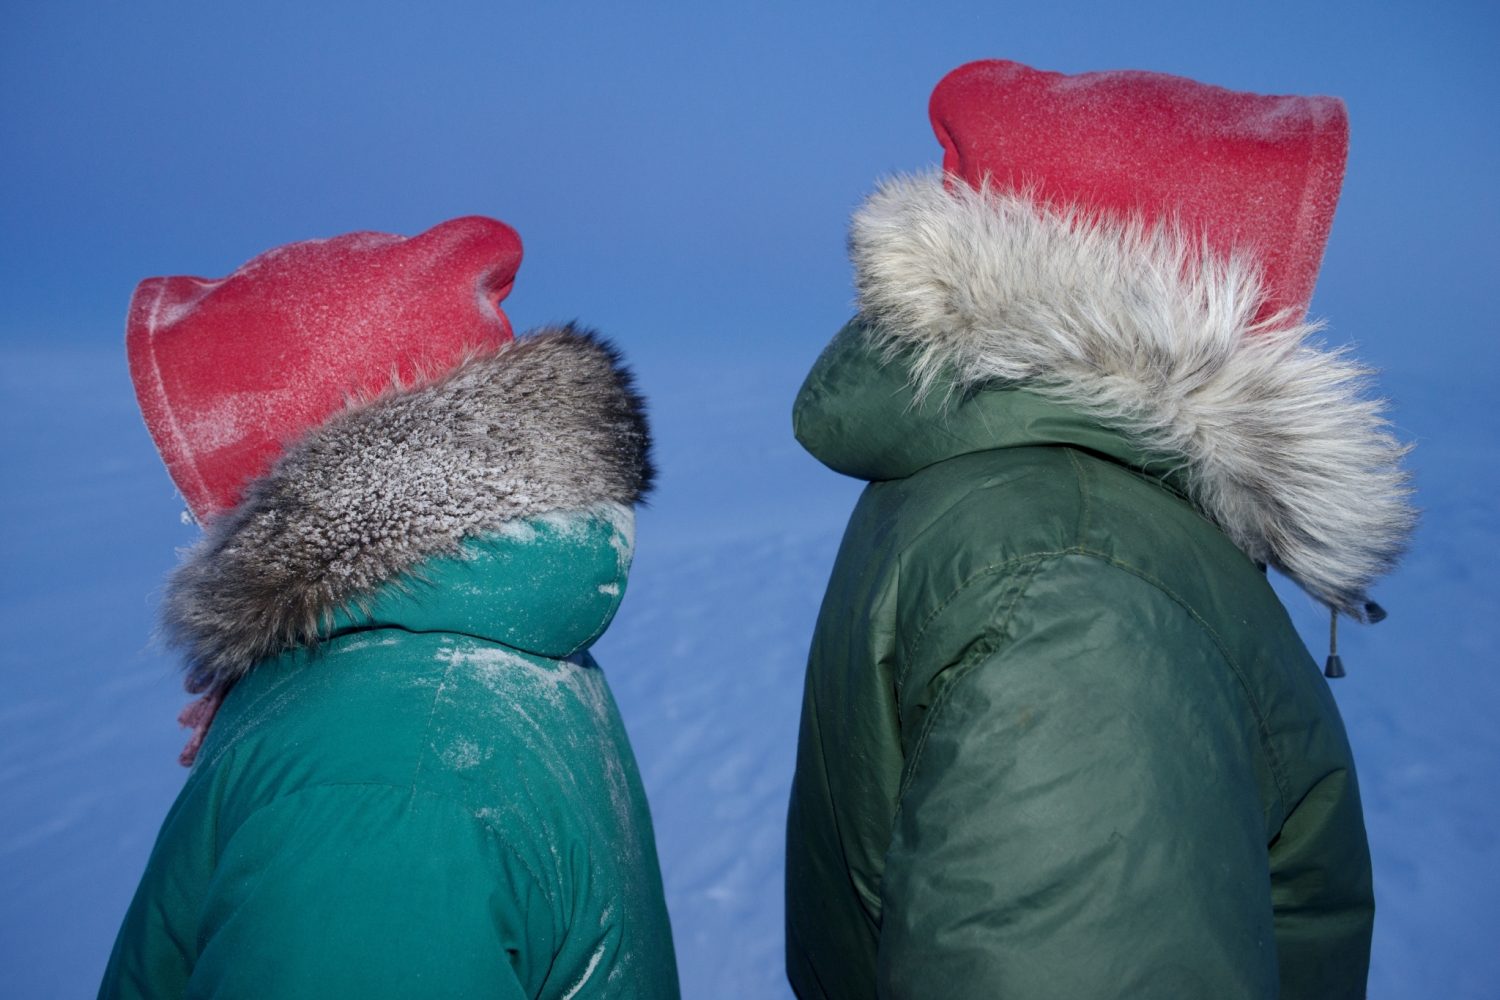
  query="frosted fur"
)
[
  {"x": 1139, "y": 328},
  {"x": 547, "y": 423}
]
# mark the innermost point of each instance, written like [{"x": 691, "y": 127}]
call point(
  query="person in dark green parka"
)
[
  {"x": 409, "y": 778},
  {"x": 1059, "y": 738}
]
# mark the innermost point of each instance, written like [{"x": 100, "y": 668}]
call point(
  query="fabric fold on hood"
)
[
  {"x": 547, "y": 423},
  {"x": 1145, "y": 331}
]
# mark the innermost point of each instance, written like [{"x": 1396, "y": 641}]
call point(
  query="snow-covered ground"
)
[{"x": 705, "y": 658}]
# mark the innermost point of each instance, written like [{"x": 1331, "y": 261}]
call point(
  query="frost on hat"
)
[
  {"x": 1252, "y": 174},
  {"x": 230, "y": 371}
]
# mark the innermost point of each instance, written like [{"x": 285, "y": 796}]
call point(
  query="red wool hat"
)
[
  {"x": 1253, "y": 174},
  {"x": 230, "y": 371}
]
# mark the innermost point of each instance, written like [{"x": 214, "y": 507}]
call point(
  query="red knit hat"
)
[
  {"x": 228, "y": 372},
  {"x": 1249, "y": 173}
]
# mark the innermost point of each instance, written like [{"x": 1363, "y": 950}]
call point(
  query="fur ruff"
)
[
  {"x": 1142, "y": 329},
  {"x": 550, "y": 422}
]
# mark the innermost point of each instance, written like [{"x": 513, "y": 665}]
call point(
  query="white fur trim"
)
[{"x": 1140, "y": 329}]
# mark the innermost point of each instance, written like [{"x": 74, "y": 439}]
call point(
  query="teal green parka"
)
[
  {"x": 418, "y": 783},
  {"x": 1059, "y": 737}
]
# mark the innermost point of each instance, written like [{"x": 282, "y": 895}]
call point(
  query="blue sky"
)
[{"x": 680, "y": 173}]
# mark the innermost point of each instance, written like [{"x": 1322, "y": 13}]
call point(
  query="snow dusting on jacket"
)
[{"x": 418, "y": 783}]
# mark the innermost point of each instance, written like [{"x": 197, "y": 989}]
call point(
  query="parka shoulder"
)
[
  {"x": 982, "y": 524},
  {"x": 985, "y": 524}
]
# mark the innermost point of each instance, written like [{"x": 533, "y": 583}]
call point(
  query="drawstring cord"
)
[{"x": 1335, "y": 666}]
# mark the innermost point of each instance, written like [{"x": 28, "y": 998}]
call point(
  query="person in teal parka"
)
[
  {"x": 409, "y": 777},
  {"x": 1059, "y": 737}
]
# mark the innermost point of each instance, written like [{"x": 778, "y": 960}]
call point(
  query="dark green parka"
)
[
  {"x": 1059, "y": 737},
  {"x": 418, "y": 784}
]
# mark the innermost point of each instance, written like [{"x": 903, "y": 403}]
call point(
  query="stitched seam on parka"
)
[
  {"x": 995, "y": 631},
  {"x": 988, "y": 637},
  {"x": 909, "y": 653},
  {"x": 427, "y": 749},
  {"x": 1083, "y": 497},
  {"x": 604, "y": 622},
  {"x": 1261, "y": 726},
  {"x": 437, "y": 696}
]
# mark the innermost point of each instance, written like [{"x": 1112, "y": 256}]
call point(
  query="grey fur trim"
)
[
  {"x": 549, "y": 422},
  {"x": 1135, "y": 327}
]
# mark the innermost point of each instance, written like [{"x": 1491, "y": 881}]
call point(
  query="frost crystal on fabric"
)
[{"x": 548, "y": 423}]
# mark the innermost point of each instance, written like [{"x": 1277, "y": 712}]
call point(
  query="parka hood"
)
[
  {"x": 1128, "y": 340},
  {"x": 547, "y": 585},
  {"x": 408, "y": 508},
  {"x": 861, "y": 415}
]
